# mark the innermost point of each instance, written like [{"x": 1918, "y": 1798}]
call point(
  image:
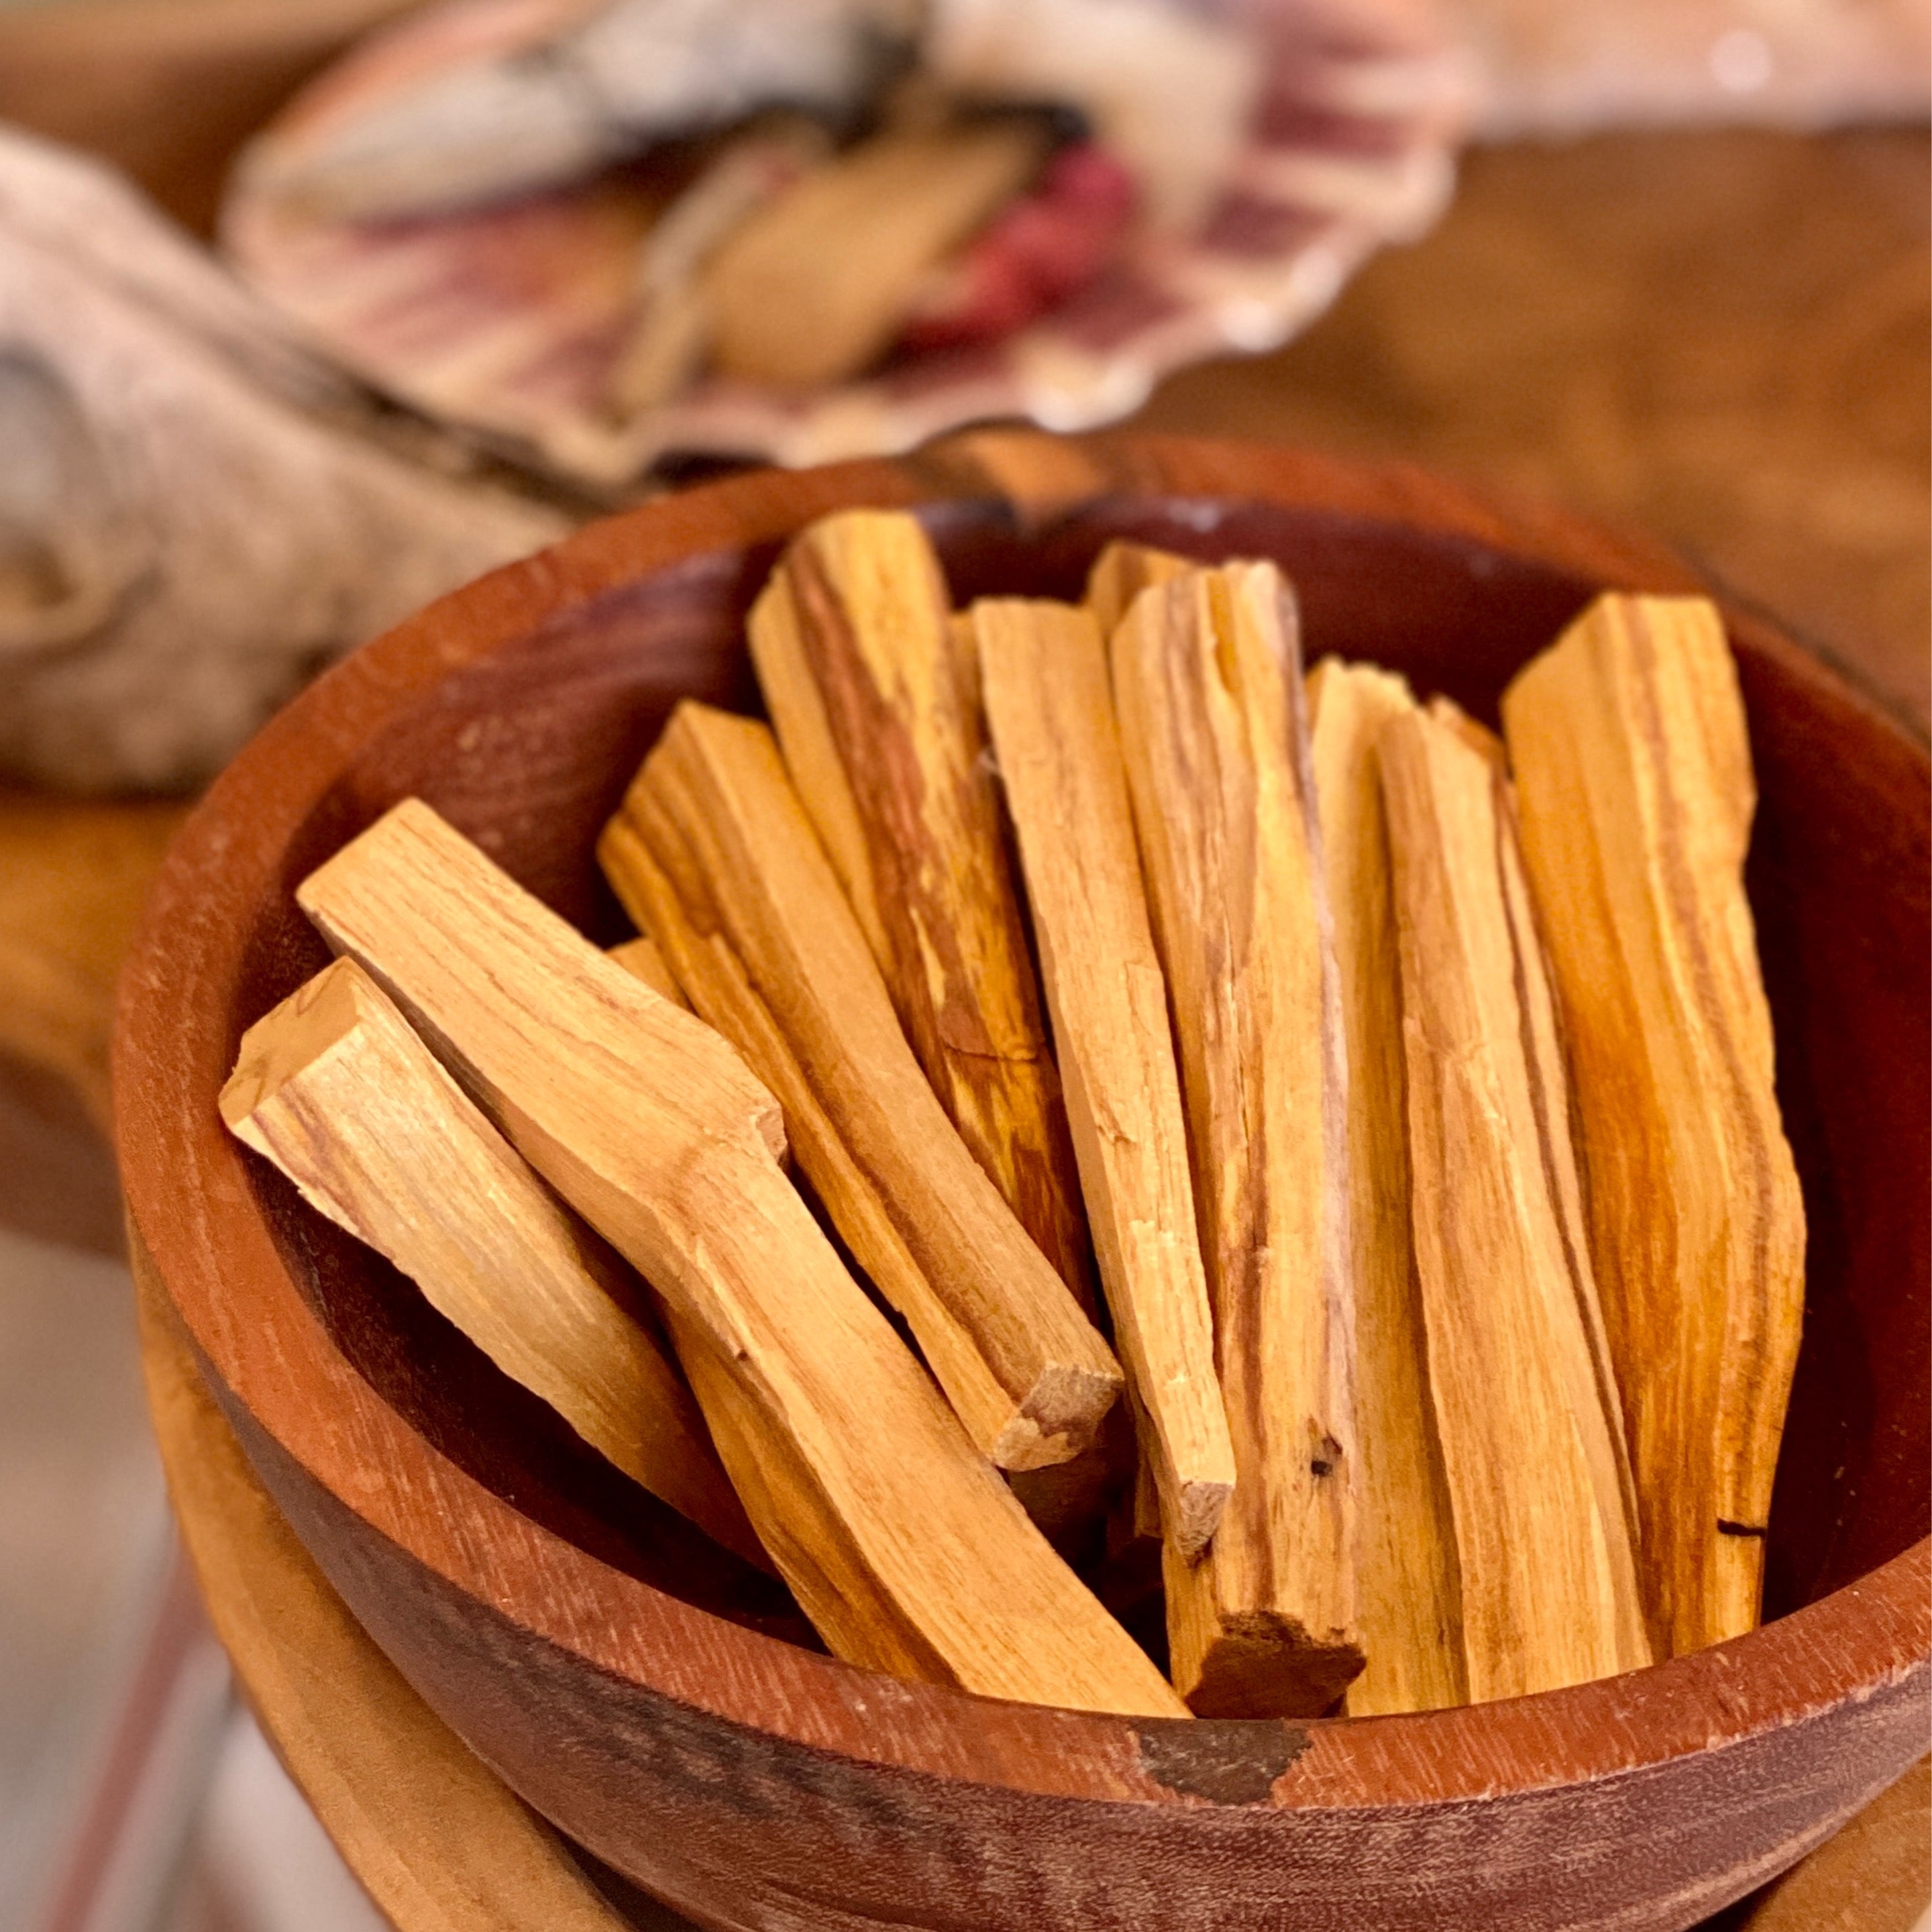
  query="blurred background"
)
[{"x": 1662, "y": 261}]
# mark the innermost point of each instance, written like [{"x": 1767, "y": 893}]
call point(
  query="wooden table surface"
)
[{"x": 1721, "y": 336}]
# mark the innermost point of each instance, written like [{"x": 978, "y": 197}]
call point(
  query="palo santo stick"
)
[
  {"x": 335, "y": 1089},
  {"x": 880, "y": 728},
  {"x": 1206, "y": 687},
  {"x": 1636, "y": 798},
  {"x": 1478, "y": 737},
  {"x": 1526, "y": 1413},
  {"x": 818, "y": 282},
  {"x": 907, "y": 1550},
  {"x": 1406, "y": 1594},
  {"x": 1121, "y": 572},
  {"x": 643, "y": 959},
  {"x": 711, "y": 846},
  {"x": 1043, "y": 671}
]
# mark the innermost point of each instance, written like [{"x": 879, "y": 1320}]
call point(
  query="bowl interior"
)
[{"x": 528, "y": 750}]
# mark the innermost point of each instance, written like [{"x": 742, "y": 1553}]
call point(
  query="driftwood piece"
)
[
  {"x": 1043, "y": 673},
  {"x": 712, "y": 848},
  {"x": 879, "y": 723},
  {"x": 1526, "y": 1406},
  {"x": 334, "y": 1088},
  {"x": 815, "y": 286},
  {"x": 898, "y": 1539},
  {"x": 192, "y": 519},
  {"x": 1407, "y": 1598},
  {"x": 1207, "y": 686},
  {"x": 1637, "y": 795}
]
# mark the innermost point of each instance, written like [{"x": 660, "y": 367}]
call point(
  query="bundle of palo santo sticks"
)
[{"x": 1324, "y": 1155}]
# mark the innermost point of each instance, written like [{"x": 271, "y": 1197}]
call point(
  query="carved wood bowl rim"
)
[{"x": 195, "y": 1212}]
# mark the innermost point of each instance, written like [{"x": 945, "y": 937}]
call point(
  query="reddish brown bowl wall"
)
[{"x": 624, "y": 1676}]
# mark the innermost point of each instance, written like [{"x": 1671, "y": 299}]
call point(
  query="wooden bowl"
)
[{"x": 635, "y": 1685}]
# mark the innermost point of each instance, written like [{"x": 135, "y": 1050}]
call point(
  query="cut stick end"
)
[
  {"x": 293, "y": 1035},
  {"x": 1193, "y": 1512},
  {"x": 1122, "y": 571},
  {"x": 1059, "y": 1418},
  {"x": 1478, "y": 737}
]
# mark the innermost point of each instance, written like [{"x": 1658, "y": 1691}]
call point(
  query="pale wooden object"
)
[
  {"x": 712, "y": 849},
  {"x": 643, "y": 959},
  {"x": 880, "y": 727},
  {"x": 334, "y": 1089},
  {"x": 438, "y": 1840},
  {"x": 1531, "y": 1435},
  {"x": 899, "y": 1539},
  {"x": 816, "y": 285},
  {"x": 1637, "y": 799},
  {"x": 1408, "y": 1601},
  {"x": 1118, "y": 575},
  {"x": 1043, "y": 672},
  {"x": 1121, "y": 572},
  {"x": 1207, "y": 686},
  {"x": 1477, "y": 736}
]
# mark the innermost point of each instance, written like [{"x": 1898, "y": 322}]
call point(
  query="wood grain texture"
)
[
  {"x": 1043, "y": 673},
  {"x": 1121, "y": 572},
  {"x": 880, "y": 722},
  {"x": 1408, "y": 1592},
  {"x": 1634, "y": 772},
  {"x": 902, "y": 1546},
  {"x": 442, "y": 1845},
  {"x": 731, "y": 874},
  {"x": 1526, "y": 1407},
  {"x": 1719, "y": 335},
  {"x": 1875, "y": 1875},
  {"x": 643, "y": 959},
  {"x": 438, "y": 1841},
  {"x": 750, "y": 1781},
  {"x": 1206, "y": 687},
  {"x": 335, "y": 1089}
]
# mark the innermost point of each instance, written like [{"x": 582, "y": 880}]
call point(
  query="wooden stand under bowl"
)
[{"x": 557, "y": 1624}]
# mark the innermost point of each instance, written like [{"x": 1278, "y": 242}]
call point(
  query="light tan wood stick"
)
[
  {"x": 1478, "y": 737},
  {"x": 1121, "y": 572},
  {"x": 1525, "y": 1408},
  {"x": 1636, "y": 792},
  {"x": 648, "y": 1123},
  {"x": 1206, "y": 687},
  {"x": 712, "y": 849},
  {"x": 643, "y": 959},
  {"x": 1408, "y": 1602},
  {"x": 1043, "y": 669},
  {"x": 818, "y": 282},
  {"x": 880, "y": 727},
  {"x": 335, "y": 1089}
]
